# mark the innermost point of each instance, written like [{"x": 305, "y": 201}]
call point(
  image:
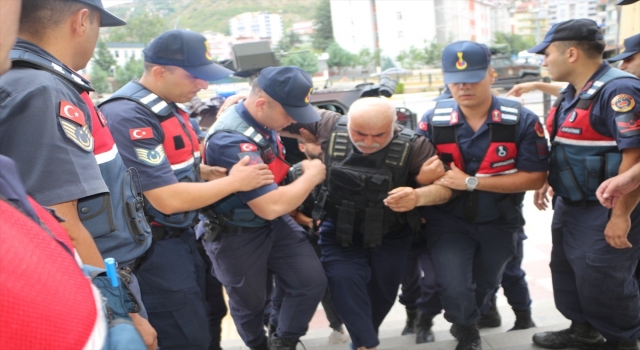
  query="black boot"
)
[
  {"x": 263, "y": 346},
  {"x": 468, "y": 338},
  {"x": 424, "y": 334},
  {"x": 523, "y": 320},
  {"x": 455, "y": 331},
  {"x": 579, "y": 335},
  {"x": 492, "y": 318},
  {"x": 620, "y": 345},
  {"x": 409, "y": 328},
  {"x": 276, "y": 343}
]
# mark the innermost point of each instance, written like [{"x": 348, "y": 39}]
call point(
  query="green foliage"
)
[
  {"x": 306, "y": 60},
  {"x": 102, "y": 57},
  {"x": 339, "y": 58},
  {"x": 399, "y": 88},
  {"x": 133, "y": 69},
  {"x": 387, "y": 63},
  {"x": 411, "y": 58},
  {"x": 140, "y": 29},
  {"x": 99, "y": 80},
  {"x": 433, "y": 54},
  {"x": 367, "y": 59},
  {"x": 323, "y": 36},
  {"x": 514, "y": 42},
  {"x": 289, "y": 41}
]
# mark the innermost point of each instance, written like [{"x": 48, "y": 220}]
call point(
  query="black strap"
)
[
  {"x": 374, "y": 227},
  {"x": 345, "y": 224}
]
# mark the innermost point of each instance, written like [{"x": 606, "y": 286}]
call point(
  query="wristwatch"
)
[{"x": 471, "y": 182}]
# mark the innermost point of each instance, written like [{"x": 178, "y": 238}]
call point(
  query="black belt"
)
[
  {"x": 583, "y": 204},
  {"x": 162, "y": 232}
]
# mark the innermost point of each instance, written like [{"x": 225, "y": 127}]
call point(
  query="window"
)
[
  {"x": 399, "y": 16},
  {"x": 400, "y": 35},
  {"x": 116, "y": 53}
]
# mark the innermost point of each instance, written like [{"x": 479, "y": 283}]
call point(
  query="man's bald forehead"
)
[{"x": 373, "y": 108}]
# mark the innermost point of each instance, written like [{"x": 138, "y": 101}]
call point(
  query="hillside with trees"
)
[{"x": 214, "y": 15}]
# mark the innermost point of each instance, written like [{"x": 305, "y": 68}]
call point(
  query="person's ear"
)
[
  {"x": 79, "y": 22},
  {"x": 261, "y": 104},
  {"x": 572, "y": 54},
  {"x": 159, "y": 72}
]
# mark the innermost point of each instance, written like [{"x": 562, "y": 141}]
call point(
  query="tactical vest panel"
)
[
  {"x": 357, "y": 184},
  {"x": 115, "y": 219},
  {"x": 582, "y": 158},
  {"x": 231, "y": 209},
  {"x": 180, "y": 144},
  {"x": 500, "y": 157}
]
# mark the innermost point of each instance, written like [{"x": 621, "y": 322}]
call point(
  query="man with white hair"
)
[{"x": 368, "y": 208}]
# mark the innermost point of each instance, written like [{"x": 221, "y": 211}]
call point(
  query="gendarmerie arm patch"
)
[
  {"x": 80, "y": 135},
  {"x": 254, "y": 157},
  {"x": 622, "y": 103},
  {"x": 539, "y": 129},
  {"x": 628, "y": 124},
  {"x": 71, "y": 112},
  {"x": 151, "y": 156}
]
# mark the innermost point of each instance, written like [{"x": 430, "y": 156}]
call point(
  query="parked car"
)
[
  {"x": 339, "y": 100},
  {"x": 510, "y": 72}
]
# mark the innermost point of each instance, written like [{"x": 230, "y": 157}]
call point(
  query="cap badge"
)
[
  {"x": 307, "y": 99},
  {"x": 461, "y": 64},
  {"x": 207, "y": 50}
]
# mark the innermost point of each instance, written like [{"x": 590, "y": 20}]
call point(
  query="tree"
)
[
  {"x": 323, "y": 36},
  {"x": 289, "y": 41},
  {"x": 514, "y": 42},
  {"x": 411, "y": 58},
  {"x": 367, "y": 59},
  {"x": 103, "y": 58},
  {"x": 140, "y": 29},
  {"x": 339, "y": 57},
  {"x": 433, "y": 54},
  {"x": 99, "y": 80},
  {"x": 387, "y": 63},
  {"x": 131, "y": 70},
  {"x": 306, "y": 60}
]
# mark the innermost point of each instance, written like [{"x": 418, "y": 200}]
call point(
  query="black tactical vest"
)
[{"x": 356, "y": 185}]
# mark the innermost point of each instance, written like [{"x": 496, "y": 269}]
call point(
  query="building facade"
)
[
  {"x": 394, "y": 26},
  {"x": 257, "y": 25}
]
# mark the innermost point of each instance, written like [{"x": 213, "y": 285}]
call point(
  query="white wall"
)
[
  {"x": 403, "y": 23},
  {"x": 353, "y": 24}
]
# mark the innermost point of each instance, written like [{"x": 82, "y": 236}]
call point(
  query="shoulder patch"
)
[
  {"x": 103, "y": 120},
  {"x": 254, "y": 157},
  {"x": 248, "y": 147},
  {"x": 80, "y": 135},
  {"x": 539, "y": 129},
  {"x": 628, "y": 124},
  {"x": 151, "y": 156},
  {"x": 622, "y": 103},
  {"x": 141, "y": 133},
  {"x": 70, "y": 111},
  {"x": 453, "y": 118},
  {"x": 543, "y": 149},
  {"x": 423, "y": 126},
  {"x": 496, "y": 116}
]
